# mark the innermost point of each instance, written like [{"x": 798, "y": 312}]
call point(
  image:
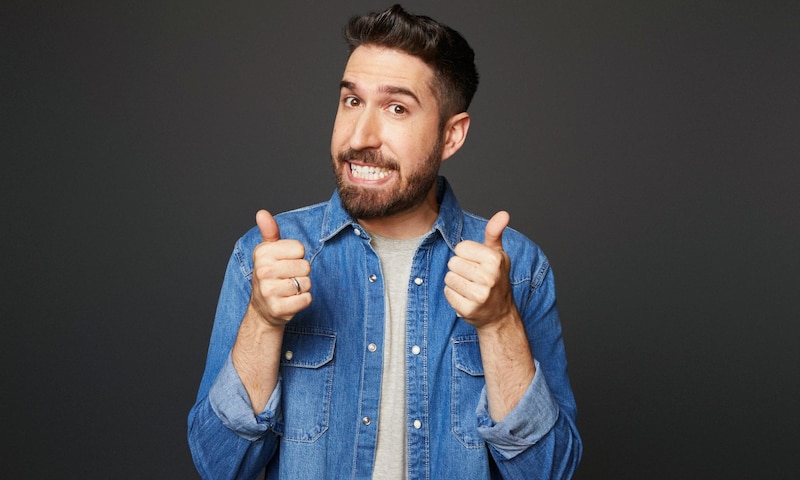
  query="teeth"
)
[{"x": 368, "y": 172}]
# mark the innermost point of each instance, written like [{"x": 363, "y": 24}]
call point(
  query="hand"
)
[
  {"x": 276, "y": 263},
  {"x": 477, "y": 285}
]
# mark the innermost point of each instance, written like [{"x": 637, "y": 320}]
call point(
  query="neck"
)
[{"x": 409, "y": 224}]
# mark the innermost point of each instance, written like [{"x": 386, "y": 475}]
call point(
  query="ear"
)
[{"x": 455, "y": 134}]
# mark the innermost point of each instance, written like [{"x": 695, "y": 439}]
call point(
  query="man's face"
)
[{"x": 386, "y": 146}]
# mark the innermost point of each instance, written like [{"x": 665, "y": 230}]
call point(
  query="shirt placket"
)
[
  {"x": 416, "y": 366},
  {"x": 370, "y": 388}
]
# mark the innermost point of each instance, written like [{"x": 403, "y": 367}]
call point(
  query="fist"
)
[
  {"x": 281, "y": 282},
  {"x": 477, "y": 284}
]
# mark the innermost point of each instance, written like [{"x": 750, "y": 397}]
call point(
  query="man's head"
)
[
  {"x": 439, "y": 46},
  {"x": 402, "y": 102}
]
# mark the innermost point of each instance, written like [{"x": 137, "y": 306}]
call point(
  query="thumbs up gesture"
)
[
  {"x": 477, "y": 284},
  {"x": 281, "y": 282}
]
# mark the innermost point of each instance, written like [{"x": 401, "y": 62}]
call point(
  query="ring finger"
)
[{"x": 297, "y": 285}]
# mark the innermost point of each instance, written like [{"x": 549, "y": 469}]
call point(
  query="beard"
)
[{"x": 406, "y": 194}]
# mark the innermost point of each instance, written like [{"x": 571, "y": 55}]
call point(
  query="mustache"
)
[{"x": 370, "y": 157}]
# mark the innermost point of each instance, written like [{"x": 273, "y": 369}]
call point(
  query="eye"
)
[
  {"x": 398, "y": 109},
  {"x": 351, "y": 102}
]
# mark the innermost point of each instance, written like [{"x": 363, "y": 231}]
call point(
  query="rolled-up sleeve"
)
[
  {"x": 532, "y": 418},
  {"x": 229, "y": 400}
]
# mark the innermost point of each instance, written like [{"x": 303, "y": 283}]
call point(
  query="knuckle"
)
[
  {"x": 482, "y": 294},
  {"x": 296, "y": 247},
  {"x": 452, "y": 263},
  {"x": 264, "y": 270},
  {"x": 305, "y": 267}
]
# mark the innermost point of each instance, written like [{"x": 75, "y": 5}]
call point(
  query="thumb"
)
[
  {"x": 494, "y": 230},
  {"x": 267, "y": 226}
]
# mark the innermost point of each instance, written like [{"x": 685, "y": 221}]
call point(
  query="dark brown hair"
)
[{"x": 439, "y": 46}]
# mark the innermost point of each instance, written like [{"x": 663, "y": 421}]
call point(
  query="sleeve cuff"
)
[
  {"x": 229, "y": 400},
  {"x": 532, "y": 418}
]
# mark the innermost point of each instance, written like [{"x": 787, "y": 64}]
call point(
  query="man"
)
[{"x": 386, "y": 333}]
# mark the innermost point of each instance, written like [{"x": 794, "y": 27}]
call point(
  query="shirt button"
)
[
  {"x": 418, "y": 281},
  {"x": 417, "y": 424},
  {"x": 415, "y": 350},
  {"x": 372, "y": 347},
  {"x": 357, "y": 231},
  {"x": 366, "y": 420},
  {"x": 288, "y": 355},
  {"x": 373, "y": 278}
]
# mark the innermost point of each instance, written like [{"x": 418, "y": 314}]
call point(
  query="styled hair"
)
[{"x": 439, "y": 46}]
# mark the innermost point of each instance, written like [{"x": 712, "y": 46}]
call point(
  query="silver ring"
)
[{"x": 296, "y": 285}]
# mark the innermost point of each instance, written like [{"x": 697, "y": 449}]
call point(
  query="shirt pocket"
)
[
  {"x": 468, "y": 383},
  {"x": 307, "y": 381}
]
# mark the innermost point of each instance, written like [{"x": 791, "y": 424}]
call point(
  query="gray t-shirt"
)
[{"x": 390, "y": 455}]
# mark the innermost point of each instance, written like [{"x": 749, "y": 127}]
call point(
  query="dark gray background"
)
[{"x": 649, "y": 147}]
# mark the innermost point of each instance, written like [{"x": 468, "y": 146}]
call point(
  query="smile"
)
[{"x": 368, "y": 172}]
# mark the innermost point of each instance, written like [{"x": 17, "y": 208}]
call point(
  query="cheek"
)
[
  {"x": 342, "y": 130},
  {"x": 414, "y": 145}
]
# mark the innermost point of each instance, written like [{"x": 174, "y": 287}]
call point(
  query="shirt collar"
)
[{"x": 449, "y": 223}]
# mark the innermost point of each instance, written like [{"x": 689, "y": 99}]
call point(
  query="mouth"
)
[{"x": 368, "y": 172}]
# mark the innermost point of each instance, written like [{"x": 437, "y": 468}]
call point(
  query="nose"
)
[{"x": 366, "y": 131}]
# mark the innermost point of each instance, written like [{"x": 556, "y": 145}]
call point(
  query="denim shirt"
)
[{"x": 321, "y": 420}]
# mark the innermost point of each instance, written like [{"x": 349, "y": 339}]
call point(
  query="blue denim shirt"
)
[{"x": 321, "y": 421}]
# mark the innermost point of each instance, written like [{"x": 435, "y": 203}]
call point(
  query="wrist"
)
[
  {"x": 500, "y": 325},
  {"x": 257, "y": 319}
]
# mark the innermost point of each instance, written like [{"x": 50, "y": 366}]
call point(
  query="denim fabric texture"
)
[{"x": 321, "y": 421}]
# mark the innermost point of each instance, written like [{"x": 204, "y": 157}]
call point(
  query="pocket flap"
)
[
  {"x": 307, "y": 348},
  {"x": 467, "y": 355}
]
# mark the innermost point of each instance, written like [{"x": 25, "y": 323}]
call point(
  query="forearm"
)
[
  {"x": 507, "y": 363},
  {"x": 256, "y": 357},
  {"x": 228, "y": 439},
  {"x": 538, "y": 439}
]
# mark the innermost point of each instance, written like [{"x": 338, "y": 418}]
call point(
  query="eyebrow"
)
[{"x": 388, "y": 89}]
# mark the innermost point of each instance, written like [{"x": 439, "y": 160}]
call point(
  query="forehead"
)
[{"x": 374, "y": 67}]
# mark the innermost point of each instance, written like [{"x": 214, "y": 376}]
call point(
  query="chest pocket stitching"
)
[
  {"x": 308, "y": 382},
  {"x": 310, "y": 348},
  {"x": 467, "y": 385}
]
